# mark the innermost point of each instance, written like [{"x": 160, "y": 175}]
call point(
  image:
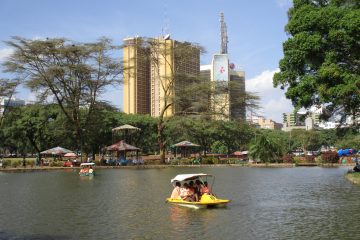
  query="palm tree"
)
[{"x": 265, "y": 148}]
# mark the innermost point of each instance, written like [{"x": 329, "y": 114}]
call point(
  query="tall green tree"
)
[
  {"x": 265, "y": 148},
  {"x": 7, "y": 90},
  {"x": 321, "y": 63},
  {"x": 73, "y": 74}
]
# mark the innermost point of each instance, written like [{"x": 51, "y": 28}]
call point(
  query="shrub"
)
[
  {"x": 31, "y": 163},
  {"x": 310, "y": 159},
  {"x": 297, "y": 160},
  {"x": 330, "y": 157},
  {"x": 210, "y": 160},
  {"x": 16, "y": 163},
  {"x": 97, "y": 162},
  {"x": 288, "y": 158},
  {"x": 56, "y": 164},
  {"x": 6, "y": 163}
]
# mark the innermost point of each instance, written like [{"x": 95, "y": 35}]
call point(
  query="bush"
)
[
  {"x": 16, "y": 163},
  {"x": 288, "y": 158},
  {"x": 56, "y": 164},
  {"x": 31, "y": 163},
  {"x": 210, "y": 160},
  {"x": 310, "y": 159},
  {"x": 330, "y": 157},
  {"x": 297, "y": 160},
  {"x": 97, "y": 162},
  {"x": 6, "y": 163}
]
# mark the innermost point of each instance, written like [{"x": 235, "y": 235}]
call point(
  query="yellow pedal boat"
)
[{"x": 205, "y": 201}]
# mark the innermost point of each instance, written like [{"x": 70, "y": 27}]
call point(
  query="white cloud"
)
[
  {"x": 273, "y": 101},
  {"x": 4, "y": 53}
]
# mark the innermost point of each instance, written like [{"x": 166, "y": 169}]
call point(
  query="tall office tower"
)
[
  {"x": 228, "y": 84},
  {"x": 227, "y": 99},
  {"x": 237, "y": 93},
  {"x": 173, "y": 66},
  {"x": 136, "y": 76},
  {"x": 156, "y": 70}
]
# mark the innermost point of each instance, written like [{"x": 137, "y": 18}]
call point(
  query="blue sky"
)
[{"x": 255, "y": 29}]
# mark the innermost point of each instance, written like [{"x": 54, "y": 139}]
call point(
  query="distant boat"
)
[{"x": 87, "y": 169}]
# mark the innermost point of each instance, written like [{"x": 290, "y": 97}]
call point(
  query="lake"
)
[{"x": 267, "y": 203}]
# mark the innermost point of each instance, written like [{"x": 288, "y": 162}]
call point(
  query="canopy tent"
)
[
  {"x": 56, "y": 151},
  {"x": 240, "y": 153},
  {"x": 121, "y": 146},
  {"x": 70, "y": 155},
  {"x": 125, "y": 128},
  {"x": 184, "y": 145}
]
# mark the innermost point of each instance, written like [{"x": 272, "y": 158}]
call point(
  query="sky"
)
[{"x": 255, "y": 30}]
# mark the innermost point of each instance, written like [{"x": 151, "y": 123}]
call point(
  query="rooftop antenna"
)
[
  {"x": 224, "y": 36},
  {"x": 165, "y": 28}
]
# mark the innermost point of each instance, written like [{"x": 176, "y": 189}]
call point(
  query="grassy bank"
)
[{"x": 353, "y": 177}]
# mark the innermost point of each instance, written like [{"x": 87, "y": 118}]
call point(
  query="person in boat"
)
[
  {"x": 185, "y": 193},
  {"x": 205, "y": 189},
  {"x": 91, "y": 170},
  {"x": 198, "y": 188},
  {"x": 357, "y": 165},
  {"x": 176, "y": 192},
  {"x": 193, "y": 191}
]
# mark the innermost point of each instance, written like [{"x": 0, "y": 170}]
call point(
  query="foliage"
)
[
  {"x": 309, "y": 158},
  {"x": 31, "y": 163},
  {"x": 265, "y": 148},
  {"x": 352, "y": 141},
  {"x": 218, "y": 147},
  {"x": 307, "y": 140},
  {"x": 329, "y": 157},
  {"x": 233, "y": 135},
  {"x": 7, "y": 90},
  {"x": 321, "y": 56},
  {"x": 288, "y": 158},
  {"x": 16, "y": 163},
  {"x": 74, "y": 74},
  {"x": 6, "y": 163}
]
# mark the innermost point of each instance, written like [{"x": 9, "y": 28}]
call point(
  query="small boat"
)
[
  {"x": 87, "y": 169},
  {"x": 206, "y": 200}
]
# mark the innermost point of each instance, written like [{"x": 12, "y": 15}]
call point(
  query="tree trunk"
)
[{"x": 161, "y": 142}]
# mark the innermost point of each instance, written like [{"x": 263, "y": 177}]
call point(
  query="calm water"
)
[{"x": 293, "y": 203}]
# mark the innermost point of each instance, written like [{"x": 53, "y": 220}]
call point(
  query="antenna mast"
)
[{"x": 224, "y": 36}]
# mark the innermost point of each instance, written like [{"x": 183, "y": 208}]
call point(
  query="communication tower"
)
[{"x": 224, "y": 36}]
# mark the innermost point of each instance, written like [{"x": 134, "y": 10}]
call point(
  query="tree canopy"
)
[
  {"x": 321, "y": 63},
  {"x": 73, "y": 74}
]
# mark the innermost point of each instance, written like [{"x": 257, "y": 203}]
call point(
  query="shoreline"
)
[
  {"x": 353, "y": 177},
  {"x": 258, "y": 165}
]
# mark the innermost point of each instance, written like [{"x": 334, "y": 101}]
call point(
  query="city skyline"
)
[{"x": 255, "y": 29}]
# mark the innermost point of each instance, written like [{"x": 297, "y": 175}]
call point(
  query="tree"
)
[
  {"x": 265, "y": 148},
  {"x": 232, "y": 134},
  {"x": 169, "y": 65},
  {"x": 307, "y": 140},
  {"x": 7, "y": 90},
  {"x": 74, "y": 74},
  {"x": 321, "y": 64}
]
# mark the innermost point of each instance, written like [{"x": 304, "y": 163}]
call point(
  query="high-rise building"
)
[
  {"x": 156, "y": 70},
  {"x": 227, "y": 100},
  {"x": 136, "y": 64}
]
